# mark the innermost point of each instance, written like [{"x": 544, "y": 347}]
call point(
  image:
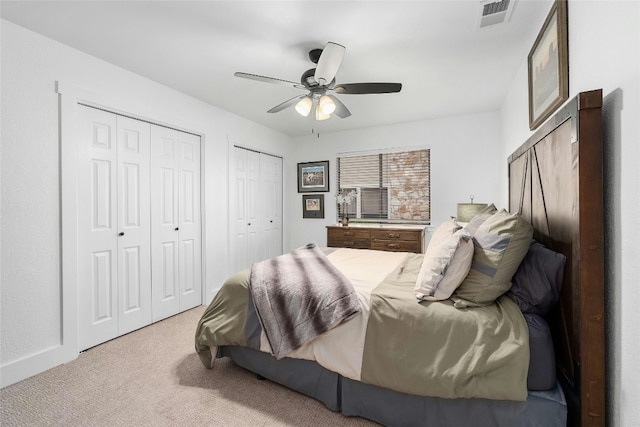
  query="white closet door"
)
[
  {"x": 255, "y": 200},
  {"x": 139, "y": 248},
  {"x": 175, "y": 221},
  {"x": 97, "y": 227},
  {"x": 164, "y": 222},
  {"x": 243, "y": 209},
  {"x": 238, "y": 255},
  {"x": 134, "y": 222},
  {"x": 271, "y": 183},
  {"x": 190, "y": 247},
  {"x": 255, "y": 243}
]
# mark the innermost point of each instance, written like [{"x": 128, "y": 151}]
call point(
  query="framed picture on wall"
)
[
  {"x": 548, "y": 66},
  {"x": 313, "y": 206},
  {"x": 313, "y": 177}
]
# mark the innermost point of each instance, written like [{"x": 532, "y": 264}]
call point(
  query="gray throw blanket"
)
[{"x": 298, "y": 296}]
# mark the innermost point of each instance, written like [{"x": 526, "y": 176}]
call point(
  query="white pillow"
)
[{"x": 446, "y": 262}]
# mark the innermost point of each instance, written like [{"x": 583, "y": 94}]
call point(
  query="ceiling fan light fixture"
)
[
  {"x": 320, "y": 115},
  {"x": 319, "y": 81},
  {"x": 303, "y": 107},
  {"x": 326, "y": 105}
]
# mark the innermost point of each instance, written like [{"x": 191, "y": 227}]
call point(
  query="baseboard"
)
[{"x": 34, "y": 364}]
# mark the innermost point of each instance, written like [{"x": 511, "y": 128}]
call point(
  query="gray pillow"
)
[
  {"x": 542, "y": 361},
  {"x": 537, "y": 283},
  {"x": 500, "y": 244}
]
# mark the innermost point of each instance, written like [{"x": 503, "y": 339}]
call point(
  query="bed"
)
[{"x": 478, "y": 360}]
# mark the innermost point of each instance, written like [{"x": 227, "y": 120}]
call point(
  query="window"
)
[{"x": 388, "y": 186}]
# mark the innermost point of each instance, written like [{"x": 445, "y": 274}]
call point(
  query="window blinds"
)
[{"x": 390, "y": 186}]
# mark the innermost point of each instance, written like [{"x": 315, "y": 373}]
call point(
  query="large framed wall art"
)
[{"x": 548, "y": 66}]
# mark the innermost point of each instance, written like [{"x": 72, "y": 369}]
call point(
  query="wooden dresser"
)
[{"x": 409, "y": 238}]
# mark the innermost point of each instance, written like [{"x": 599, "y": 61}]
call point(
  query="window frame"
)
[{"x": 355, "y": 215}]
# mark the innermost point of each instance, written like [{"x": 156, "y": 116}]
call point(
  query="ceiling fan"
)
[{"x": 319, "y": 81}]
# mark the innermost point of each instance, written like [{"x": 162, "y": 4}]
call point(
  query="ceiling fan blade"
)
[
  {"x": 268, "y": 79},
  {"x": 329, "y": 62},
  {"x": 286, "y": 104},
  {"x": 341, "y": 110},
  {"x": 366, "y": 88}
]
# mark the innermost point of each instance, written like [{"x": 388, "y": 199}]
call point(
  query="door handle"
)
[{"x": 121, "y": 233}]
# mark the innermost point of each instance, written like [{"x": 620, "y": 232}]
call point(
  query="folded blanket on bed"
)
[{"x": 298, "y": 296}]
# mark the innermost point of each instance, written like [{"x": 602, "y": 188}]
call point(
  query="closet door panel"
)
[
  {"x": 164, "y": 222},
  {"x": 189, "y": 252},
  {"x": 255, "y": 244},
  {"x": 246, "y": 244},
  {"x": 175, "y": 217},
  {"x": 167, "y": 276},
  {"x": 97, "y": 227},
  {"x": 271, "y": 172},
  {"x": 134, "y": 237},
  {"x": 238, "y": 256}
]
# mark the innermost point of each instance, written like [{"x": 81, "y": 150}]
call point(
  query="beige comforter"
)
[{"x": 421, "y": 348}]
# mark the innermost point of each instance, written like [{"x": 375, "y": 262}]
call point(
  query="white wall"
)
[
  {"x": 31, "y": 306},
  {"x": 604, "y": 52},
  {"x": 466, "y": 159}
]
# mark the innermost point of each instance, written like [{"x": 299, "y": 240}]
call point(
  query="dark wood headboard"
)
[{"x": 555, "y": 181}]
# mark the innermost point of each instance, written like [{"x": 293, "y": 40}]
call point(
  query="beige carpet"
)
[{"x": 153, "y": 377}]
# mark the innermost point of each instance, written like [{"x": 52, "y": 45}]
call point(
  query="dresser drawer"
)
[
  {"x": 346, "y": 237},
  {"x": 348, "y": 233},
  {"x": 345, "y": 242},
  {"x": 396, "y": 246},
  {"x": 404, "y": 235}
]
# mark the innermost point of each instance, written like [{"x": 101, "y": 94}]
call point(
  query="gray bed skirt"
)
[{"x": 391, "y": 408}]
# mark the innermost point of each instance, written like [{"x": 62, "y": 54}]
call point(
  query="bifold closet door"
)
[
  {"x": 113, "y": 226},
  {"x": 255, "y": 208},
  {"x": 246, "y": 247},
  {"x": 271, "y": 192},
  {"x": 175, "y": 221},
  {"x": 134, "y": 225}
]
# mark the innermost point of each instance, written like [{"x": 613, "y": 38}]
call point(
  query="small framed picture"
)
[
  {"x": 548, "y": 66},
  {"x": 313, "y": 177},
  {"x": 313, "y": 206}
]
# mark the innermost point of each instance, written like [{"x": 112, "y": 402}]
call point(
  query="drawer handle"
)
[
  {"x": 348, "y": 233},
  {"x": 348, "y": 243},
  {"x": 394, "y": 236},
  {"x": 393, "y": 246}
]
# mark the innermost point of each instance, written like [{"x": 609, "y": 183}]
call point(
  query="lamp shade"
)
[
  {"x": 303, "y": 107},
  {"x": 466, "y": 211},
  {"x": 326, "y": 104},
  {"x": 320, "y": 115}
]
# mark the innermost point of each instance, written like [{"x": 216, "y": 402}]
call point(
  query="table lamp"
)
[{"x": 466, "y": 211}]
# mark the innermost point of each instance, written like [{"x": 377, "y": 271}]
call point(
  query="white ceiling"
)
[{"x": 446, "y": 64}]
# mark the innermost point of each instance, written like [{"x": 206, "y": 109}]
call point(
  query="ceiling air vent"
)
[{"x": 494, "y": 12}]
